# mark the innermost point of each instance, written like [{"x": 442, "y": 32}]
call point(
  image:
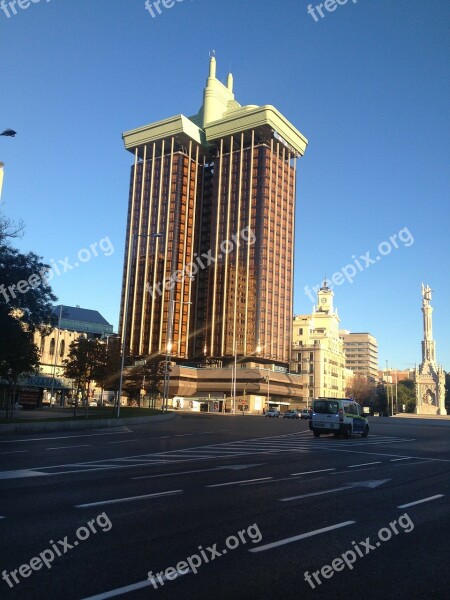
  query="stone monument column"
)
[{"x": 429, "y": 377}]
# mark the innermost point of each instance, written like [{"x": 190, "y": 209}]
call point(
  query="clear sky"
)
[{"x": 367, "y": 84}]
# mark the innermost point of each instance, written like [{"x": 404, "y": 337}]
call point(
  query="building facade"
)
[
  {"x": 208, "y": 269},
  {"x": 429, "y": 376},
  {"x": 318, "y": 349},
  {"x": 361, "y": 353},
  {"x": 50, "y": 384}
]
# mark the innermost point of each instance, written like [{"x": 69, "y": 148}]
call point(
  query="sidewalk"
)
[
  {"x": 412, "y": 419},
  {"x": 32, "y": 420}
]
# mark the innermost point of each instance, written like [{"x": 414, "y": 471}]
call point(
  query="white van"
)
[{"x": 338, "y": 416}]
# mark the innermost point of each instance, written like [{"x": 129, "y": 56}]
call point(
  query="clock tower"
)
[{"x": 325, "y": 299}]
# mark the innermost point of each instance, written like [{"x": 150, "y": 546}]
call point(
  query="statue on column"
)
[{"x": 426, "y": 295}]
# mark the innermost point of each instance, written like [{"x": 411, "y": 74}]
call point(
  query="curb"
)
[
  {"x": 421, "y": 420},
  {"x": 47, "y": 426}
]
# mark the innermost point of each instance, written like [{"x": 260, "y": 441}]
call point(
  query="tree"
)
[
  {"x": 109, "y": 377},
  {"x": 18, "y": 354},
  {"x": 9, "y": 229},
  {"x": 362, "y": 390},
  {"x": 146, "y": 375},
  {"x": 24, "y": 287},
  {"x": 85, "y": 363},
  {"x": 406, "y": 394}
]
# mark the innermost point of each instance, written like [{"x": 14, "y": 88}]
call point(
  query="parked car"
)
[
  {"x": 273, "y": 413},
  {"x": 291, "y": 414},
  {"x": 305, "y": 414}
]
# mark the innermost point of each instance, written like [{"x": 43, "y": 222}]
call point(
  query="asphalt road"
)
[{"x": 253, "y": 503}]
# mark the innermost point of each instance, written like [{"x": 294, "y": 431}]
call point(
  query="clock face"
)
[{"x": 323, "y": 300}]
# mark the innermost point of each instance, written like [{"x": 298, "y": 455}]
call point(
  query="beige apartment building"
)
[
  {"x": 319, "y": 351},
  {"x": 361, "y": 353}
]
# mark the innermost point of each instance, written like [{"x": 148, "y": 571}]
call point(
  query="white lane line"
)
[
  {"x": 124, "y": 441},
  {"x": 421, "y": 501},
  {"x": 129, "y": 499},
  {"x": 404, "y": 458},
  {"x": 385, "y": 454},
  {"x": 367, "y": 484},
  {"x": 308, "y": 472},
  {"x": 14, "y": 452},
  {"x": 132, "y": 587},
  {"x": 302, "y": 536},
  {"x": 20, "y": 473},
  {"x": 183, "y": 434},
  {"x": 224, "y": 468},
  {"x": 238, "y": 482},
  {"x": 63, "y": 437},
  {"x": 64, "y": 447},
  {"x": 378, "y": 462}
]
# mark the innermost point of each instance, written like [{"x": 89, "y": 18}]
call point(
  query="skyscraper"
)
[{"x": 209, "y": 249}]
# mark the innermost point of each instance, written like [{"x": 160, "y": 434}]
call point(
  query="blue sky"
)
[{"x": 367, "y": 84}]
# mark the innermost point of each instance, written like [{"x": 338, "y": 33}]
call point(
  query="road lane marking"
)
[
  {"x": 404, "y": 458},
  {"x": 378, "y": 462},
  {"x": 129, "y": 499},
  {"x": 421, "y": 501},
  {"x": 232, "y": 467},
  {"x": 302, "y": 536},
  {"x": 238, "y": 482},
  {"x": 308, "y": 472},
  {"x": 14, "y": 452},
  {"x": 64, "y": 447},
  {"x": 124, "y": 441},
  {"x": 132, "y": 587},
  {"x": 384, "y": 454},
  {"x": 20, "y": 473},
  {"x": 369, "y": 484},
  {"x": 63, "y": 437}
]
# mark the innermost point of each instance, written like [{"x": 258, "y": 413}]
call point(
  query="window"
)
[
  {"x": 62, "y": 348},
  {"x": 326, "y": 407},
  {"x": 52, "y": 346}
]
